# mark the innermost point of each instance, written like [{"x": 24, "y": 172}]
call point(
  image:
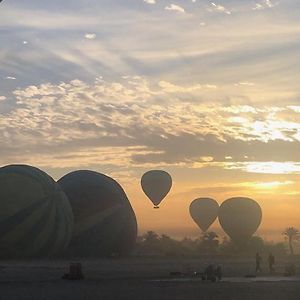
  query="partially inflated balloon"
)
[
  {"x": 240, "y": 218},
  {"x": 156, "y": 184},
  {"x": 204, "y": 212}
]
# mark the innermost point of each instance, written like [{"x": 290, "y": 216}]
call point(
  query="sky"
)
[{"x": 208, "y": 91}]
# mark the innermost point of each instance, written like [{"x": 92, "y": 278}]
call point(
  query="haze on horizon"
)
[{"x": 208, "y": 91}]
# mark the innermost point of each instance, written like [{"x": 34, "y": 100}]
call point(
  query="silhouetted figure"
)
[
  {"x": 258, "y": 260},
  {"x": 271, "y": 261},
  {"x": 218, "y": 272},
  {"x": 209, "y": 273}
]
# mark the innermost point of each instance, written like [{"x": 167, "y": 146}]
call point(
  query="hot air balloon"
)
[
  {"x": 240, "y": 217},
  {"x": 104, "y": 221},
  {"x": 204, "y": 212},
  {"x": 156, "y": 184},
  {"x": 36, "y": 218}
]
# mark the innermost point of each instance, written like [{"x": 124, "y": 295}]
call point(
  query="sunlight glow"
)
[
  {"x": 272, "y": 184},
  {"x": 267, "y": 167}
]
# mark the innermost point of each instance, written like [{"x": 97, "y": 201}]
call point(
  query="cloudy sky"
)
[{"x": 208, "y": 91}]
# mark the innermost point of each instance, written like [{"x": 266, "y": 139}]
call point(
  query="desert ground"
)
[{"x": 146, "y": 278}]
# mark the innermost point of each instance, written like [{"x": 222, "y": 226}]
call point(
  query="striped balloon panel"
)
[{"x": 36, "y": 218}]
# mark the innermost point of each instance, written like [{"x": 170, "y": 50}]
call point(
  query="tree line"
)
[{"x": 209, "y": 243}]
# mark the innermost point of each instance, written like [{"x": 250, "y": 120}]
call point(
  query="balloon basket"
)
[
  {"x": 156, "y": 207},
  {"x": 75, "y": 272}
]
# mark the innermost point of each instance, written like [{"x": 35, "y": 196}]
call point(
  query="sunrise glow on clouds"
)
[{"x": 207, "y": 90}]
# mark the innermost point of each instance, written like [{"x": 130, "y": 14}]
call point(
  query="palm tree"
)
[{"x": 292, "y": 234}]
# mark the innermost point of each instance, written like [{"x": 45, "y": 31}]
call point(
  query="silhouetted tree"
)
[
  {"x": 150, "y": 243},
  {"x": 169, "y": 246},
  {"x": 153, "y": 244},
  {"x": 292, "y": 234},
  {"x": 189, "y": 246},
  {"x": 278, "y": 249},
  {"x": 209, "y": 242},
  {"x": 150, "y": 237},
  {"x": 255, "y": 244}
]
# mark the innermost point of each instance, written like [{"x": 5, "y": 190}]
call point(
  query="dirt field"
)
[{"x": 142, "y": 279}]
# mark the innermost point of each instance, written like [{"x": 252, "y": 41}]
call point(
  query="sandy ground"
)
[{"x": 142, "y": 279}]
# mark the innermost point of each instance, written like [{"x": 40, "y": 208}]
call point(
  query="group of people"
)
[{"x": 271, "y": 263}]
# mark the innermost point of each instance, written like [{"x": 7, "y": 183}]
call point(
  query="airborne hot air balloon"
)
[
  {"x": 240, "y": 218},
  {"x": 104, "y": 221},
  {"x": 156, "y": 184},
  {"x": 204, "y": 212}
]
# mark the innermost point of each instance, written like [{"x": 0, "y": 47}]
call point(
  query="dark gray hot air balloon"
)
[
  {"x": 204, "y": 212},
  {"x": 36, "y": 218},
  {"x": 104, "y": 221},
  {"x": 240, "y": 218},
  {"x": 156, "y": 184}
]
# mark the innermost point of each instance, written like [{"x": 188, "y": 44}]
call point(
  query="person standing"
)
[
  {"x": 258, "y": 260},
  {"x": 271, "y": 261}
]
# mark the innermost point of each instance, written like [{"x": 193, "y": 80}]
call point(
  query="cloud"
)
[
  {"x": 245, "y": 83},
  {"x": 218, "y": 88},
  {"x": 151, "y": 123},
  {"x": 295, "y": 108},
  {"x": 267, "y": 168},
  {"x": 219, "y": 8},
  {"x": 90, "y": 36},
  {"x": 161, "y": 48},
  {"x": 265, "y": 4},
  {"x": 176, "y": 8},
  {"x": 42, "y": 19},
  {"x": 173, "y": 88},
  {"x": 150, "y": 1}
]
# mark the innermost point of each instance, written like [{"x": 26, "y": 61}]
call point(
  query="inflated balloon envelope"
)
[
  {"x": 204, "y": 212},
  {"x": 36, "y": 218},
  {"x": 240, "y": 217},
  {"x": 104, "y": 221},
  {"x": 156, "y": 184}
]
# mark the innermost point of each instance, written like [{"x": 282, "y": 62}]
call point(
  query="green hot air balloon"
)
[
  {"x": 204, "y": 212},
  {"x": 156, "y": 184},
  {"x": 240, "y": 218},
  {"x": 36, "y": 218}
]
